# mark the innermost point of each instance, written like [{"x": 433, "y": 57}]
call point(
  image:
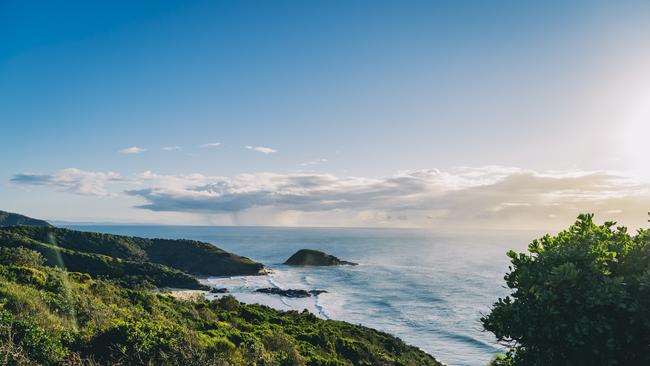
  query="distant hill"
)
[
  {"x": 13, "y": 219},
  {"x": 195, "y": 257},
  {"x": 129, "y": 260}
]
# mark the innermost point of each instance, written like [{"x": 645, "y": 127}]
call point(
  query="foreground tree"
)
[{"x": 579, "y": 298}]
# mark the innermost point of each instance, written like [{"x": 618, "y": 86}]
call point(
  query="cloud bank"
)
[
  {"x": 489, "y": 197},
  {"x": 71, "y": 180}
]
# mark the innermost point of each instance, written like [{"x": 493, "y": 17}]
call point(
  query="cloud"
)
[
  {"x": 132, "y": 150},
  {"x": 262, "y": 149},
  {"x": 172, "y": 148},
  {"x": 71, "y": 180},
  {"x": 314, "y": 162},
  {"x": 210, "y": 145},
  {"x": 485, "y": 197}
]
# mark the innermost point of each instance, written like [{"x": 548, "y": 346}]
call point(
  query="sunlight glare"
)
[{"x": 636, "y": 139}]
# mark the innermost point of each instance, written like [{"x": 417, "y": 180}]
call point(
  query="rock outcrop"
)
[
  {"x": 289, "y": 292},
  {"x": 310, "y": 257}
]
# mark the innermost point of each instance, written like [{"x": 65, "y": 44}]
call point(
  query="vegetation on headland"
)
[
  {"x": 11, "y": 219},
  {"x": 130, "y": 260},
  {"x": 49, "y": 316},
  {"x": 77, "y": 298},
  {"x": 102, "y": 266},
  {"x": 581, "y": 297},
  {"x": 186, "y": 255}
]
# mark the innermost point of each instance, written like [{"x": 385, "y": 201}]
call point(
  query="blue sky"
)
[{"x": 347, "y": 97}]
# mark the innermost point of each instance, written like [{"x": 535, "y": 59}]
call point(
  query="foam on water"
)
[{"x": 428, "y": 290}]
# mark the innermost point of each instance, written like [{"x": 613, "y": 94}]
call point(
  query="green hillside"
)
[
  {"x": 131, "y": 261},
  {"x": 186, "y": 255},
  {"x": 52, "y": 317},
  {"x": 11, "y": 219}
]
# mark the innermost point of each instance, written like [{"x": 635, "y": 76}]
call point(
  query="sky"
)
[{"x": 428, "y": 114}]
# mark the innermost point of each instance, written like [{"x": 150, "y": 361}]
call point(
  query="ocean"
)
[{"x": 426, "y": 288}]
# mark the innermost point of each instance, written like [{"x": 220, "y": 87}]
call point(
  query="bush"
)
[
  {"x": 21, "y": 256},
  {"x": 23, "y": 342},
  {"x": 27, "y": 275},
  {"x": 579, "y": 298},
  {"x": 136, "y": 341}
]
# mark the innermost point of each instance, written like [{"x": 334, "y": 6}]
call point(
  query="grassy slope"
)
[
  {"x": 101, "y": 312},
  {"x": 185, "y": 255},
  {"x": 126, "y": 271},
  {"x": 10, "y": 219},
  {"x": 48, "y": 316}
]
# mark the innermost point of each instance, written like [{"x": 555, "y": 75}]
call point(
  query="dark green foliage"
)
[
  {"x": 30, "y": 341},
  {"x": 186, "y": 255},
  {"x": 311, "y": 257},
  {"x": 126, "y": 271},
  {"x": 133, "y": 261},
  {"x": 20, "y": 257},
  {"x": 74, "y": 319},
  {"x": 81, "y": 241},
  {"x": 199, "y": 258},
  {"x": 579, "y": 298},
  {"x": 12, "y": 219}
]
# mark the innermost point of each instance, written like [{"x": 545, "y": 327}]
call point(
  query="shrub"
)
[
  {"x": 285, "y": 348},
  {"x": 23, "y": 342},
  {"x": 27, "y": 275},
  {"x": 136, "y": 341},
  {"x": 579, "y": 298},
  {"x": 21, "y": 256},
  {"x": 228, "y": 303}
]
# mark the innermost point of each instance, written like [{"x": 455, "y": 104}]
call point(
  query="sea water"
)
[{"x": 428, "y": 289}]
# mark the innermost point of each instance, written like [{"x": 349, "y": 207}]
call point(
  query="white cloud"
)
[
  {"x": 262, "y": 149},
  {"x": 71, "y": 180},
  {"x": 132, "y": 150},
  {"x": 314, "y": 162},
  {"x": 487, "y": 197},
  {"x": 483, "y": 197},
  {"x": 172, "y": 148},
  {"x": 211, "y": 144}
]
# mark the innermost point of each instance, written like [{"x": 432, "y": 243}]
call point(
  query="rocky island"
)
[{"x": 311, "y": 257}]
